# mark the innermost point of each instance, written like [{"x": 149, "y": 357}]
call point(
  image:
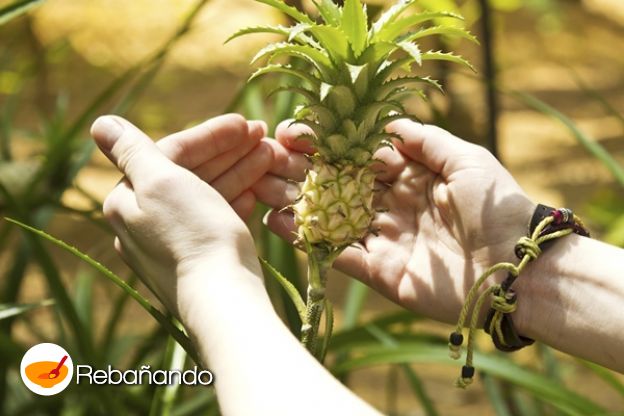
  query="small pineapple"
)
[{"x": 351, "y": 94}]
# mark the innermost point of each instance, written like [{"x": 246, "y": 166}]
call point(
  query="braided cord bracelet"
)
[{"x": 546, "y": 225}]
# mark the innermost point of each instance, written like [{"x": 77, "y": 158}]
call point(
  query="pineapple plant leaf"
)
[{"x": 351, "y": 89}]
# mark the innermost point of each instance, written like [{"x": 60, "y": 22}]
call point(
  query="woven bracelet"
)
[{"x": 546, "y": 225}]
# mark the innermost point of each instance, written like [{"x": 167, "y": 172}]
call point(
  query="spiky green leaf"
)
[
  {"x": 389, "y": 67},
  {"x": 402, "y": 93},
  {"x": 391, "y": 15},
  {"x": 355, "y": 25},
  {"x": 360, "y": 78},
  {"x": 319, "y": 113},
  {"x": 294, "y": 33},
  {"x": 288, "y": 287},
  {"x": 309, "y": 95},
  {"x": 286, "y": 69},
  {"x": 442, "y": 56},
  {"x": 316, "y": 128},
  {"x": 313, "y": 56},
  {"x": 333, "y": 40},
  {"x": 330, "y": 12},
  {"x": 392, "y": 31},
  {"x": 279, "y": 30},
  {"x": 340, "y": 98},
  {"x": 377, "y": 109},
  {"x": 444, "y": 31},
  {"x": 390, "y": 86},
  {"x": 372, "y": 113},
  {"x": 412, "y": 50},
  {"x": 381, "y": 124},
  {"x": 377, "y": 52},
  {"x": 288, "y": 10}
]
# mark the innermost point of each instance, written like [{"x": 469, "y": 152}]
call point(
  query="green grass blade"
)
[
  {"x": 290, "y": 289},
  {"x": 606, "y": 375},
  {"x": 354, "y": 303},
  {"x": 414, "y": 380},
  {"x": 162, "y": 319},
  {"x": 165, "y": 396},
  {"x": 538, "y": 385},
  {"x": 83, "y": 300},
  {"x": 202, "y": 403},
  {"x": 599, "y": 98},
  {"x": 495, "y": 394},
  {"x": 12, "y": 310},
  {"x": 592, "y": 146},
  {"x": 15, "y": 9},
  {"x": 117, "y": 312},
  {"x": 347, "y": 339}
]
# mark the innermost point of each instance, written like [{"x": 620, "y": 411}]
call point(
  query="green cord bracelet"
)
[{"x": 547, "y": 224}]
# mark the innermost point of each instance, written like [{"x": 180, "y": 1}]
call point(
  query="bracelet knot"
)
[
  {"x": 527, "y": 247},
  {"x": 504, "y": 302}
]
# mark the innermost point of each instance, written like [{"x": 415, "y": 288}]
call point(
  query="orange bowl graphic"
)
[{"x": 39, "y": 372}]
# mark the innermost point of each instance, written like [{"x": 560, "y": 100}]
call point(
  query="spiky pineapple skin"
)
[{"x": 335, "y": 206}]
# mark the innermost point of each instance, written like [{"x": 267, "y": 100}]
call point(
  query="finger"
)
[
  {"x": 120, "y": 207},
  {"x": 192, "y": 147},
  {"x": 430, "y": 145},
  {"x": 275, "y": 192},
  {"x": 135, "y": 154},
  {"x": 212, "y": 169},
  {"x": 244, "y": 204},
  {"x": 281, "y": 223},
  {"x": 245, "y": 172},
  {"x": 390, "y": 163},
  {"x": 352, "y": 260},
  {"x": 288, "y": 164},
  {"x": 288, "y": 134}
]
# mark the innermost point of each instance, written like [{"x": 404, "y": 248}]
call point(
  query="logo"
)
[{"x": 46, "y": 369}]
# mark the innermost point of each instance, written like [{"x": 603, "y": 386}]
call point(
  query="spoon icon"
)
[{"x": 56, "y": 372}]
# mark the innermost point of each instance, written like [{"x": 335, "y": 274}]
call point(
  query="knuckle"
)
[{"x": 110, "y": 207}]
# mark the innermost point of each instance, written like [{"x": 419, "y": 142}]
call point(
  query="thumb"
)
[{"x": 134, "y": 154}]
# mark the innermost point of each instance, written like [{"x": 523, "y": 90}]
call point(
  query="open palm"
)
[{"x": 449, "y": 210}]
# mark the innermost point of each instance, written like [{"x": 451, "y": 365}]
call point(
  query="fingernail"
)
[
  {"x": 265, "y": 219},
  {"x": 258, "y": 124},
  {"x": 106, "y": 130}
]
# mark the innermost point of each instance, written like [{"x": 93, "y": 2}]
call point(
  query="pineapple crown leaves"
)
[{"x": 351, "y": 93}]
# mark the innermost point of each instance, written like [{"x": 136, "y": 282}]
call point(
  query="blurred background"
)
[{"x": 548, "y": 100}]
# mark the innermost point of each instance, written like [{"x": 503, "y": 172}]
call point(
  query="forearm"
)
[
  {"x": 572, "y": 298},
  {"x": 259, "y": 367}
]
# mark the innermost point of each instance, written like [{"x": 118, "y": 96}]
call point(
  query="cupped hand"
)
[
  {"x": 168, "y": 220},
  {"x": 450, "y": 211}
]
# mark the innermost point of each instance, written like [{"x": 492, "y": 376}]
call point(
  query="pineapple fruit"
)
[{"x": 351, "y": 92}]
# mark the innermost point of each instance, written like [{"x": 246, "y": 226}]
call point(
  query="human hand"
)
[
  {"x": 169, "y": 222},
  {"x": 452, "y": 211}
]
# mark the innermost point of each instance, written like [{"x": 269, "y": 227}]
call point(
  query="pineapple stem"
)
[{"x": 320, "y": 259}]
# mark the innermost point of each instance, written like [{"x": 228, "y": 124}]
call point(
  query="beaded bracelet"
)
[{"x": 546, "y": 225}]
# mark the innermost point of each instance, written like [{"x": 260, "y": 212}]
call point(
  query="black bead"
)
[
  {"x": 456, "y": 339},
  {"x": 467, "y": 371}
]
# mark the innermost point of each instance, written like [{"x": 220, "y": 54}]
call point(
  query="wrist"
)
[{"x": 218, "y": 284}]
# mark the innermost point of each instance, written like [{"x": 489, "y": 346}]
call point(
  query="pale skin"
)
[{"x": 453, "y": 210}]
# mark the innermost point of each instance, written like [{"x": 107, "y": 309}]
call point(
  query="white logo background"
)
[{"x": 46, "y": 352}]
